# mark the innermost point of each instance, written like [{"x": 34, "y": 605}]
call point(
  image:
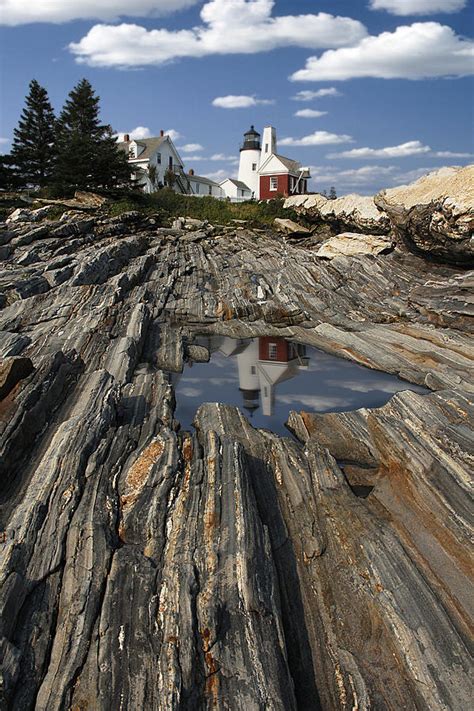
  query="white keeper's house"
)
[
  {"x": 154, "y": 158},
  {"x": 263, "y": 173}
]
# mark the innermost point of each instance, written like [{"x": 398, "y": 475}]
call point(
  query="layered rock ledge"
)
[{"x": 144, "y": 566}]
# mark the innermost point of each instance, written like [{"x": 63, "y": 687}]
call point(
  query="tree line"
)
[{"x": 72, "y": 151}]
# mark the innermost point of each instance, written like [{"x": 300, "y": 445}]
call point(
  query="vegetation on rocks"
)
[{"x": 168, "y": 205}]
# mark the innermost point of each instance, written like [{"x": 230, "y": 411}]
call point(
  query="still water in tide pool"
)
[{"x": 267, "y": 377}]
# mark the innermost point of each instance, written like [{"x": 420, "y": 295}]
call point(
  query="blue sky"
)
[{"x": 400, "y": 100}]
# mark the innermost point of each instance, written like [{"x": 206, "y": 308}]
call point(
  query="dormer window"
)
[
  {"x": 132, "y": 152},
  {"x": 158, "y": 158}
]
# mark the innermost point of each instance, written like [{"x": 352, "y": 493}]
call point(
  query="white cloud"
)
[
  {"x": 318, "y": 138},
  {"x": 137, "y": 133},
  {"x": 19, "y": 12},
  {"x": 174, "y": 135},
  {"x": 140, "y": 132},
  {"x": 228, "y": 27},
  {"x": 220, "y": 175},
  {"x": 367, "y": 175},
  {"x": 239, "y": 102},
  {"x": 418, "y": 51},
  {"x": 411, "y": 148},
  {"x": 310, "y": 113},
  {"x": 451, "y": 154},
  {"x": 216, "y": 157},
  {"x": 411, "y": 175},
  {"x": 418, "y": 7},
  {"x": 366, "y": 180},
  {"x": 143, "y": 132},
  {"x": 309, "y": 95},
  {"x": 222, "y": 156},
  {"x": 191, "y": 147},
  {"x": 4, "y": 141}
]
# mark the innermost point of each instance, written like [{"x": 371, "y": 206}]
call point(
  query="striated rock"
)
[
  {"x": 228, "y": 568},
  {"x": 21, "y": 214},
  {"x": 12, "y": 370},
  {"x": 356, "y": 213},
  {"x": 351, "y": 243},
  {"x": 435, "y": 215}
]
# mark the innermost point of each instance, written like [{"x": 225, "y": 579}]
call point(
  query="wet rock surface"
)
[{"x": 143, "y": 566}]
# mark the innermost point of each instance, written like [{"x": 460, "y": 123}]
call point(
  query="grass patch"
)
[{"x": 167, "y": 205}]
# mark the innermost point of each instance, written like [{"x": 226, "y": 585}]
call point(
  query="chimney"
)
[
  {"x": 162, "y": 133},
  {"x": 191, "y": 171},
  {"x": 126, "y": 137}
]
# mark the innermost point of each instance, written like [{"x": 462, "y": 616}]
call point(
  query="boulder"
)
[
  {"x": 350, "y": 212},
  {"x": 351, "y": 243},
  {"x": 199, "y": 354},
  {"x": 435, "y": 215},
  {"x": 289, "y": 227}
]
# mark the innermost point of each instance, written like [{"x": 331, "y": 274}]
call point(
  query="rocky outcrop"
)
[
  {"x": 356, "y": 213},
  {"x": 435, "y": 215},
  {"x": 352, "y": 243},
  {"x": 143, "y": 566}
]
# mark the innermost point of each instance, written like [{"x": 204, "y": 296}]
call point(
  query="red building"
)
[
  {"x": 279, "y": 350},
  {"x": 282, "y": 176}
]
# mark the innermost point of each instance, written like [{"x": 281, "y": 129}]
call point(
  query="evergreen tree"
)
[
  {"x": 9, "y": 178},
  {"x": 32, "y": 149},
  {"x": 332, "y": 193},
  {"x": 87, "y": 152}
]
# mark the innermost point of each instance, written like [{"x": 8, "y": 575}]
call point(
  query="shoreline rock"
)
[
  {"x": 435, "y": 215},
  {"x": 147, "y": 567}
]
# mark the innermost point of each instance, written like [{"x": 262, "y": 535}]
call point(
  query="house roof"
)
[
  {"x": 238, "y": 183},
  {"x": 201, "y": 179},
  {"x": 293, "y": 166},
  {"x": 150, "y": 145}
]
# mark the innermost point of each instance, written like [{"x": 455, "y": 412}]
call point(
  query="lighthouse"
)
[{"x": 250, "y": 161}]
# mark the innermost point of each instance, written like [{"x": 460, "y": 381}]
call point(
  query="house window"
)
[
  {"x": 170, "y": 162},
  {"x": 266, "y": 147},
  {"x": 131, "y": 152},
  {"x": 197, "y": 188},
  {"x": 210, "y": 189},
  {"x": 272, "y": 351},
  {"x": 254, "y": 166},
  {"x": 243, "y": 193},
  {"x": 158, "y": 158},
  {"x": 253, "y": 370},
  {"x": 273, "y": 183},
  {"x": 265, "y": 391}
]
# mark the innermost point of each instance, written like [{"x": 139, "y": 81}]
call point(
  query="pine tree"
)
[
  {"x": 9, "y": 178},
  {"x": 332, "y": 193},
  {"x": 32, "y": 150},
  {"x": 87, "y": 152}
]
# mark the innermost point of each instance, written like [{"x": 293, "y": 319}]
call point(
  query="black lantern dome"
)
[{"x": 251, "y": 140}]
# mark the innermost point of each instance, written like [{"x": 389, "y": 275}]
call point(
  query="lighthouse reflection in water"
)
[{"x": 267, "y": 377}]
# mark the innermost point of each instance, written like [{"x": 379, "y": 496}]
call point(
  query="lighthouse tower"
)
[{"x": 250, "y": 161}]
